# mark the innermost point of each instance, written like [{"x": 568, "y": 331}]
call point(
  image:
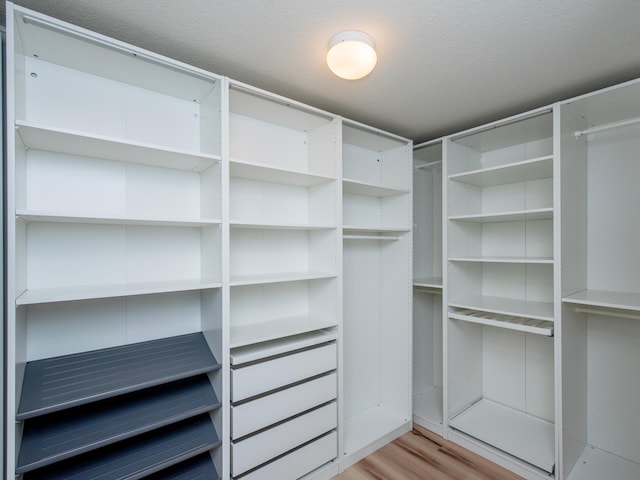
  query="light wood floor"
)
[{"x": 422, "y": 455}]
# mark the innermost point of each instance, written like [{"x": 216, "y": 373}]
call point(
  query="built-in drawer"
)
[
  {"x": 278, "y": 372},
  {"x": 257, "y": 414},
  {"x": 259, "y": 449},
  {"x": 300, "y": 461}
]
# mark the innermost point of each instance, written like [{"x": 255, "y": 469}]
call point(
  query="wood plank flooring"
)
[{"x": 423, "y": 455}]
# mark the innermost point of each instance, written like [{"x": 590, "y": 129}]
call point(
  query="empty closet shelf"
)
[
  {"x": 526, "y": 170},
  {"x": 69, "y": 217},
  {"x": 72, "y": 142},
  {"x": 511, "y": 322},
  {"x": 513, "y": 216},
  {"x": 239, "y": 280},
  {"x": 55, "y": 437},
  {"x": 517, "y": 433},
  {"x": 197, "y": 468},
  {"x": 272, "y": 174},
  {"x": 543, "y": 260},
  {"x": 137, "y": 457},
  {"x": 59, "y": 383},
  {"x": 368, "y": 189},
  {"x": 605, "y": 299},
  {"x": 428, "y": 282}
]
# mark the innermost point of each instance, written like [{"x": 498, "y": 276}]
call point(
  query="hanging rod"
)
[
  {"x": 430, "y": 164},
  {"x": 368, "y": 237},
  {"x": 608, "y": 126},
  {"x": 608, "y": 313}
]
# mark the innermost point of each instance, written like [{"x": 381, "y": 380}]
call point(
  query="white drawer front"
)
[
  {"x": 299, "y": 462},
  {"x": 262, "y": 377},
  {"x": 261, "y": 448},
  {"x": 262, "y": 412}
]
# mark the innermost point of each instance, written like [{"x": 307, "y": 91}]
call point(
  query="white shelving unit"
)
[
  {"x": 500, "y": 289},
  {"x": 114, "y": 219},
  {"x": 376, "y": 345},
  {"x": 284, "y": 258},
  {"x": 428, "y": 355},
  {"x": 600, "y": 284}
]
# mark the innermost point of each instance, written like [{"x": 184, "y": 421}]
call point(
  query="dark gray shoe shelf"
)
[
  {"x": 57, "y": 436},
  {"x": 137, "y": 457},
  {"x": 197, "y": 468},
  {"x": 121, "y": 413},
  {"x": 59, "y": 383}
]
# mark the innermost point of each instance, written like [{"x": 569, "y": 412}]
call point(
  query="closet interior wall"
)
[{"x": 428, "y": 332}]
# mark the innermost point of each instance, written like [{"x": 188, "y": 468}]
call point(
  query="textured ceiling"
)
[{"x": 444, "y": 65}]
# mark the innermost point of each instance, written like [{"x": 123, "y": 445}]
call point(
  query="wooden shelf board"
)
[
  {"x": 245, "y": 335},
  {"x": 533, "y": 169},
  {"x": 596, "y": 464},
  {"x": 517, "y": 433},
  {"x": 515, "y": 216},
  {"x": 506, "y": 306},
  {"x": 605, "y": 299},
  {"x": 265, "y": 173},
  {"x": 72, "y": 142},
  {"x": 240, "y": 280},
  {"x": 89, "y": 292},
  {"x": 362, "y": 188},
  {"x": 42, "y": 216},
  {"x": 543, "y": 260}
]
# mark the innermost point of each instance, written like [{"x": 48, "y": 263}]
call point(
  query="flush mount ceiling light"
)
[{"x": 352, "y": 54}]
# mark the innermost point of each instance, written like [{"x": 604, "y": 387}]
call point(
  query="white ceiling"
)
[{"x": 444, "y": 65}]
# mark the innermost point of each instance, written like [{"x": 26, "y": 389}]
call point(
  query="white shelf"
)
[
  {"x": 524, "y": 436},
  {"x": 543, "y": 260},
  {"x": 596, "y": 464},
  {"x": 366, "y": 427},
  {"x": 429, "y": 282},
  {"x": 506, "y": 306},
  {"x": 83, "y": 292},
  {"x": 279, "y": 226},
  {"x": 510, "y": 322},
  {"x": 605, "y": 299},
  {"x": 534, "y": 169},
  {"x": 245, "y": 335},
  {"x": 41, "y": 216},
  {"x": 73, "y": 142},
  {"x": 264, "y": 173},
  {"x": 514, "y": 216},
  {"x": 355, "y": 230},
  {"x": 361, "y": 188},
  {"x": 240, "y": 280}
]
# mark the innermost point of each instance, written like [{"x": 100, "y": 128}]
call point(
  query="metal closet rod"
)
[{"x": 608, "y": 126}]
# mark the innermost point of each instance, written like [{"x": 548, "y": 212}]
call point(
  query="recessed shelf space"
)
[
  {"x": 264, "y": 173},
  {"x": 256, "y": 202},
  {"x": 522, "y": 215},
  {"x": 370, "y": 190},
  {"x": 602, "y": 299},
  {"x": 263, "y": 312},
  {"x": 113, "y": 259},
  {"x": 429, "y": 282},
  {"x": 524, "y": 436},
  {"x": 511, "y": 322},
  {"x": 81, "y": 144},
  {"x": 521, "y": 171},
  {"x": 55, "y": 437},
  {"x": 59, "y": 383},
  {"x": 139, "y": 456},
  {"x": 294, "y": 143}
]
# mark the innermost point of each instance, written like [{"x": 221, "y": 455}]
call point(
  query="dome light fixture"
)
[{"x": 352, "y": 54}]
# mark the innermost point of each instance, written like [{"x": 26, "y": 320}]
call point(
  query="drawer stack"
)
[{"x": 284, "y": 412}]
